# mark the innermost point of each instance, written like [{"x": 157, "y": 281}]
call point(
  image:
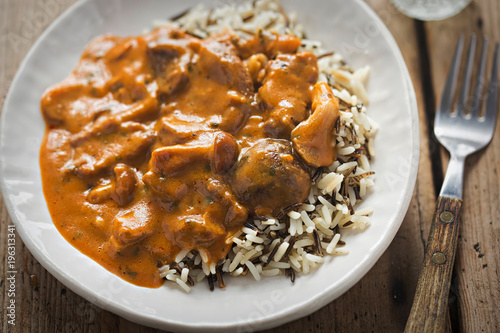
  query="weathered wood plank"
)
[{"x": 477, "y": 263}]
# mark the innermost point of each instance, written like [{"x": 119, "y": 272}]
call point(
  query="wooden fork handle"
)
[{"x": 431, "y": 298}]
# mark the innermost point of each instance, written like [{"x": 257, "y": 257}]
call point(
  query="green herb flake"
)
[
  {"x": 173, "y": 206},
  {"x": 272, "y": 170},
  {"x": 131, "y": 273},
  {"x": 209, "y": 200}
]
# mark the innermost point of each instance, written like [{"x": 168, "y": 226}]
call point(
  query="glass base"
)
[{"x": 430, "y": 10}]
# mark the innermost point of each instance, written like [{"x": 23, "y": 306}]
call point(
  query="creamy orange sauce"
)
[{"x": 165, "y": 142}]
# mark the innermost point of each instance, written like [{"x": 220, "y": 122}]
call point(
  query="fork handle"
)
[{"x": 428, "y": 313}]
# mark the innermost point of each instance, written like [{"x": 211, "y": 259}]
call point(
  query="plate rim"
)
[{"x": 312, "y": 304}]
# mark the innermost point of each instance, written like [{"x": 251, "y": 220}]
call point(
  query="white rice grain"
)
[
  {"x": 281, "y": 251},
  {"x": 292, "y": 230},
  {"x": 236, "y": 261},
  {"x": 333, "y": 243},
  {"x": 271, "y": 272},
  {"x": 181, "y": 255},
  {"x": 203, "y": 255},
  {"x": 282, "y": 265},
  {"x": 326, "y": 214},
  {"x": 364, "y": 211},
  {"x": 341, "y": 252},
  {"x": 237, "y": 272},
  {"x": 184, "y": 274},
  {"x": 314, "y": 258},
  {"x": 362, "y": 187},
  {"x": 346, "y": 151},
  {"x": 306, "y": 219},
  {"x": 254, "y": 239},
  {"x": 303, "y": 243},
  {"x": 253, "y": 270}
]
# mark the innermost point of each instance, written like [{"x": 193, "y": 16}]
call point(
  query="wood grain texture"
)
[
  {"x": 381, "y": 301},
  {"x": 475, "y": 286},
  {"x": 430, "y": 305}
]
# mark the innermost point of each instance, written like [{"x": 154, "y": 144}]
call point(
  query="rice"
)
[{"x": 298, "y": 241}]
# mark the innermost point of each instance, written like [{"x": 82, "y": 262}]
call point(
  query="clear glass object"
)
[{"x": 430, "y": 10}]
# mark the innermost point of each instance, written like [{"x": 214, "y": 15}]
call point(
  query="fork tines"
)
[{"x": 475, "y": 103}]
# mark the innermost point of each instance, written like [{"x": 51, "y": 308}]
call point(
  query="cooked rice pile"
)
[{"x": 298, "y": 239}]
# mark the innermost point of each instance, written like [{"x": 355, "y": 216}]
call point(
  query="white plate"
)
[{"x": 349, "y": 27}]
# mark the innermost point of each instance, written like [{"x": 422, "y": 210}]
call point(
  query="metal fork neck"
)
[{"x": 454, "y": 179}]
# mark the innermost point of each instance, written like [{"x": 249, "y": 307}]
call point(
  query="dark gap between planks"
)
[{"x": 434, "y": 147}]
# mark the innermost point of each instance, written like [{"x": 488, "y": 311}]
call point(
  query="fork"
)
[{"x": 461, "y": 134}]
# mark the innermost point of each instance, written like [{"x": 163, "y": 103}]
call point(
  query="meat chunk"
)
[
  {"x": 218, "y": 58},
  {"x": 269, "y": 43},
  {"x": 225, "y": 153},
  {"x": 313, "y": 139},
  {"x": 218, "y": 149},
  {"x": 121, "y": 189},
  {"x": 203, "y": 225},
  {"x": 286, "y": 91},
  {"x": 101, "y": 193},
  {"x": 170, "y": 57},
  {"x": 173, "y": 131},
  {"x": 130, "y": 227},
  {"x": 268, "y": 179},
  {"x": 193, "y": 231},
  {"x": 126, "y": 182},
  {"x": 118, "y": 143},
  {"x": 224, "y": 206},
  {"x": 211, "y": 152}
]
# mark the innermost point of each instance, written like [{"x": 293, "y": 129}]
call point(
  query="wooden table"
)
[{"x": 381, "y": 301}]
